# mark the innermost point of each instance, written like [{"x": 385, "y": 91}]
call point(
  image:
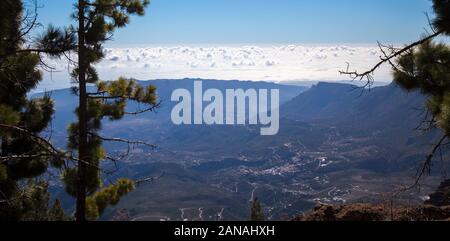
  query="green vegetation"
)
[
  {"x": 424, "y": 66},
  {"x": 23, "y": 154},
  {"x": 325, "y": 146},
  {"x": 256, "y": 213},
  {"x": 97, "y": 20},
  {"x": 427, "y": 68}
]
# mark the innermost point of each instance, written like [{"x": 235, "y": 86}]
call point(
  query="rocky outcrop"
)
[{"x": 367, "y": 212}]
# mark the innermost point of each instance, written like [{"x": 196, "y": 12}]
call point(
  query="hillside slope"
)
[{"x": 334, "y": 146}]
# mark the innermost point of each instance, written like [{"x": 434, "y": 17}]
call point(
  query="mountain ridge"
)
[{"x": 335, "y": 145}]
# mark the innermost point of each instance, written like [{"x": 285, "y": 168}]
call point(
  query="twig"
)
[
  {"x": 368, "y": 75},
  {"x": 149, "y": 179}
]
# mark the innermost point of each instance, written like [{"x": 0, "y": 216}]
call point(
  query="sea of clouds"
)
[{"x": 276, "y": 63}]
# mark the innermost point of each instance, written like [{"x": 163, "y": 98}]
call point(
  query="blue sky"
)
[{"x": 265, "y": 21}]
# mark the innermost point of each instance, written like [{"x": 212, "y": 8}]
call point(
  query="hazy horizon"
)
[
  {"x": 271, "y": 62},
  {"x": 286, "y": 40}
]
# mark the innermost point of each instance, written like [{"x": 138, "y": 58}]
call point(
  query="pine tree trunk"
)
[
  {"x": 80, "y": 214},
  {"x": 3, "y": 147}
]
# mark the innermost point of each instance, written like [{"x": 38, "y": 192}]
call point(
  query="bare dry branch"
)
[
  {"x": 43, "y": 143},
  {"x": 150, "y": 109},
  {"x": 368, "y": 75},
  {"x": 425, "y": 168},
  {"x": 129, "y": 142},
  {"x": 148, "y": 179}
]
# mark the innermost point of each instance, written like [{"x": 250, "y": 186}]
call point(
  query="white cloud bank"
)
[{"x": 268, "y": 63}]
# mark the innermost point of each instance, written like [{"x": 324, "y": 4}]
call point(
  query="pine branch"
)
[
  {"x": 148, "y": 179},
  {"x": 102, "y": 96},
  {"x": 129, "y": 142},
  {"x": 426, "y": 166},
  {"x": 43, "y": 143},
  {"x": 151, "y": 109},
  {"x": 19, "y": 157},
  {"x": 368, "y": 75}
]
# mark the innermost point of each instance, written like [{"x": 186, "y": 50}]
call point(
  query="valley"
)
[{"x": 332, "y": 147}]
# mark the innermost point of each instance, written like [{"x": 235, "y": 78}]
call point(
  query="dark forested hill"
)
[{"x": 346, "y": 104}]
